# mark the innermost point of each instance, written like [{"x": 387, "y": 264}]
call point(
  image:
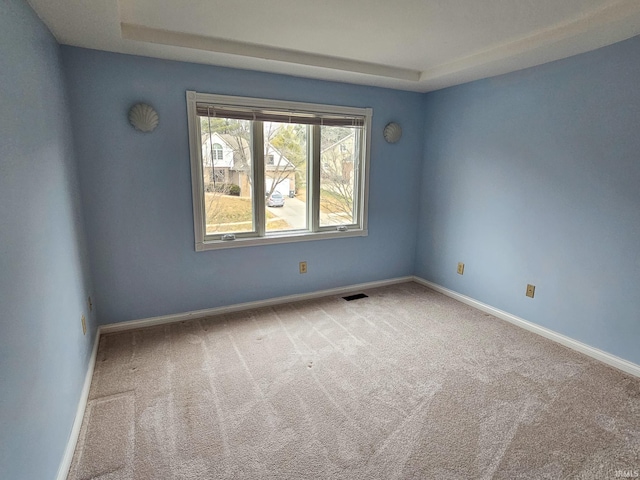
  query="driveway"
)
[{"x": 293, "y": 212}]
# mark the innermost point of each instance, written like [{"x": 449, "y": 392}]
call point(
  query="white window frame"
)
[
  {"x": 218, "y": 153},
  {"x": 260, "y": 237}
]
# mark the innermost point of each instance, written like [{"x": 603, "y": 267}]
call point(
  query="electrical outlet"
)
[
  {"x": 531, "y": 290},
  {"x": 84, "y": 325},
  {"x": 90, "y": 305},
  {"x": 303, "y": 267},
  {"x": 460, "y": 268}
]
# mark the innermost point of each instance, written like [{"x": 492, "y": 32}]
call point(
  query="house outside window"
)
[{"x": 314, "y": 156}]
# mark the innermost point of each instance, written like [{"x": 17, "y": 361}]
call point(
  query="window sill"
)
[{"x": 274, "y": 239}]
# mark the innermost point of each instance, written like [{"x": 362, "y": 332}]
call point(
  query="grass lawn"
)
[
  {"x": 301, "y": 194},
  {"x": 329, "y": 201},
  {"x": 233, "y": 214},
  {"x": 227, "y": 209}
]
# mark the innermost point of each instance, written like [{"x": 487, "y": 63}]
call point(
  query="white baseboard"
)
[
  {"x": 63, "y": 470},
  {"x": 178, "y": 317},
  {"x": 593, "y": 352}
]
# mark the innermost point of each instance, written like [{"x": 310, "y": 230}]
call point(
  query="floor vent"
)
[{"x": 357, "y": 296}]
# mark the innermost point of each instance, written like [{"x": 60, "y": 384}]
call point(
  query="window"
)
[
  {"x": 219, "y": 175},
  {"x": 294, "y": 171},
  {"x": 217, "y": 151}
]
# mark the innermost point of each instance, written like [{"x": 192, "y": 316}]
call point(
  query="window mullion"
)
[
  {"x": 314, "y": 195},
  {"x": 358, "y": 171},
  {"x": 257, "y": 153}
]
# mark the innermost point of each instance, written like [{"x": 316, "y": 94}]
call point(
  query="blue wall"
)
[
  {"x": 43, "y": 276},
  {"x": 137, "y": 190},
  {"x": 534, "y": 177}
]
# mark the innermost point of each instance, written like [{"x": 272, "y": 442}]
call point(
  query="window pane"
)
[
  {"x": 285, "y": 176},
  {"x": 339, "y": 153},
  {"x": 226, "y": 175}
]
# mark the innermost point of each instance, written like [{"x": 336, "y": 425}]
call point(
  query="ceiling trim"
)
[
  {"x": 141, "y": 33},
  {"x": 611, "y": 13}
]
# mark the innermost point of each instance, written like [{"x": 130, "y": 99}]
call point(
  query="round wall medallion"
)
[
  {"x": 143, "y": 117},
  {"x": 392, "y": 132}
]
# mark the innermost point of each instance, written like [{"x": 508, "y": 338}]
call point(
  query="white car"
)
[{"x": 275, "y": 200}]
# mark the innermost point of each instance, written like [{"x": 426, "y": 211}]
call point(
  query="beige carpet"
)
[{"x": 405, "y": 384}]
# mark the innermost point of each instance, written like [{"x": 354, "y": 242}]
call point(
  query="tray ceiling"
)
[{"x": 418, "y": 45}]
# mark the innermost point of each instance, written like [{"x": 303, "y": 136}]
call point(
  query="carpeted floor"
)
[{"x": 405, "y": 384}]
